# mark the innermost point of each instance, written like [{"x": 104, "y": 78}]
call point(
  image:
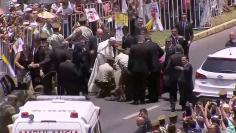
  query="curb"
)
[{"x": 215, "y": 30}]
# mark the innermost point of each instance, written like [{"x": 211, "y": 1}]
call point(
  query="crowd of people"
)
[
  {"x": 90, "y": 60},
  {"x": 209, "y": 116},
  {"x": 87, "y": 61}
]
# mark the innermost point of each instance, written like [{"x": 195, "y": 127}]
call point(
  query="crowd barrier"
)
[
  {"x": 199, "y": 13},
  {"x": 104, "y": 10}
]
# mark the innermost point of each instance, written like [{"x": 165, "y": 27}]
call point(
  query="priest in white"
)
[{"x": 105, "y": 51}]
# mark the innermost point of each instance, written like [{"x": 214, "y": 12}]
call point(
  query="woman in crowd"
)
[{"x": 22, "y": 60}]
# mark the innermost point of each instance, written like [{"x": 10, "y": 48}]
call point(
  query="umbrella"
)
[{"x": 46, "y": 15}]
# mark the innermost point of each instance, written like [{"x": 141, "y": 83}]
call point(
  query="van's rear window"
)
[{"x": 220, "y": 65}]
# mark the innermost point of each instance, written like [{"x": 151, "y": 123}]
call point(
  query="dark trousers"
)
[
  {"x": 35, "y": 75},
  {"x": 84, "y": 82},
  {"x": 186, "y": 48},
  {"x": 127, "y": 79},
  {"x": 138, "y": 85},
  {"x": 173, "y": 91},
  {"x": 70, "y": 88},
  {"x": 154, "y": 86},
  {"x": 186, "y": 94}
]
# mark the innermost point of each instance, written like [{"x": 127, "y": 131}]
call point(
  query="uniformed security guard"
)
[
  {"x": 56, "y": 38},
  {"x": 39, "y": 54},
  {"x": 173, "y": 118},
  {"x": 162, "y": 122}
]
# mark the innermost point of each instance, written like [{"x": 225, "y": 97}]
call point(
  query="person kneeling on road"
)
[{"x": 105, "y": 78}]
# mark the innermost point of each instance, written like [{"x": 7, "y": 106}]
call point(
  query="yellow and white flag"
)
[
  {"x": 5, "y": 60},
  {"x": 149, "y": 24}
]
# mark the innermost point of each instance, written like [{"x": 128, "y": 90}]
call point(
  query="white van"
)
[{"x": 57, "y": 114}]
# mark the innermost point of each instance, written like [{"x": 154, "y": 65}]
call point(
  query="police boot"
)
[{"x": 172, "y": 106}]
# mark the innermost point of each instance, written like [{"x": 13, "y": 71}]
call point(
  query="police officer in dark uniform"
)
[
  {"x": 39, "y": 53},
  {"x": 81, "y": 58},
  {"x": 173, "y": 73},
  {"x": 154, "y": 78},
  {"x": 54, "y": 57}
]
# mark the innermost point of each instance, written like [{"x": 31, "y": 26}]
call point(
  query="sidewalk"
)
[{"x": 220, "y": 23}]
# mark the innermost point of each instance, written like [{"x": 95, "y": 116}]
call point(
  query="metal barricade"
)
[
  {"x": 199, "y": 12},
  {"x": 3, "y": 50},
  {"x": 7, "y": 50},
  {"x": 103, "y": 9}
]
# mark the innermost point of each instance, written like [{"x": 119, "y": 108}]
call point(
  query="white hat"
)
[
  {"x": 16, "y": 5},
  {"x": 112, "y": 39},
  {"x": 28, "y": 9}
]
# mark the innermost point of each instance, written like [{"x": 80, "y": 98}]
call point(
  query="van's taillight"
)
[
  {"x": 24, "y": 115},
  {"x": 200, "y": 76},
  {"x": 73, "y": 115}
]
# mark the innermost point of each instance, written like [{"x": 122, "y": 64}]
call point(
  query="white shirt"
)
[
  {"x": 34, "y": 24},
  {"x": 105, "y": 73},
  {"x": 105, "y": 50},
  {"x": 69, "y": 10},
  {"x": 121, "y": 61}
]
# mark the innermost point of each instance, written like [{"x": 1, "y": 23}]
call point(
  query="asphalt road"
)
[{"x": 120, "y": 117}]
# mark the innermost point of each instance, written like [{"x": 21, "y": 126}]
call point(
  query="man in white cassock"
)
[{"x": 104, "y": 52}]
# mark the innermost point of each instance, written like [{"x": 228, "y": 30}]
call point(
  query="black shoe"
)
[
  {"x": 172, "y": 107},
  {"x": 135, "y": 103},
  {"x": 152, "y": 101},
  {"x": 128, "y": 99}
]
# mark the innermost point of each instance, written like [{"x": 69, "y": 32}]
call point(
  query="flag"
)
[
  {"x": 121, "y": 19},
  {"x": 5, "y": 60},
  {"x": 149, "y": 24}
]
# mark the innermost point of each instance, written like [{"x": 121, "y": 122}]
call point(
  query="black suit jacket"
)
[
  {"x": 92, "y": 46},
  {"x": 69, "y": 76},
  {"x": 188, "y": 73},
  {"x": 156, "y": 53},
  {"x": 174, "y": 60},
  {"x": 55, "y": 57},
  {"x": 139, "y": 30},
  {"x": 185, "y": 30},
  {"x": 127, "y": 41},
  {"x": 139, "y": 59},
  {"x": 230, "y": 43},
  {"x": 39, "y": 55},
  {"x": 81, "y": 57}
]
